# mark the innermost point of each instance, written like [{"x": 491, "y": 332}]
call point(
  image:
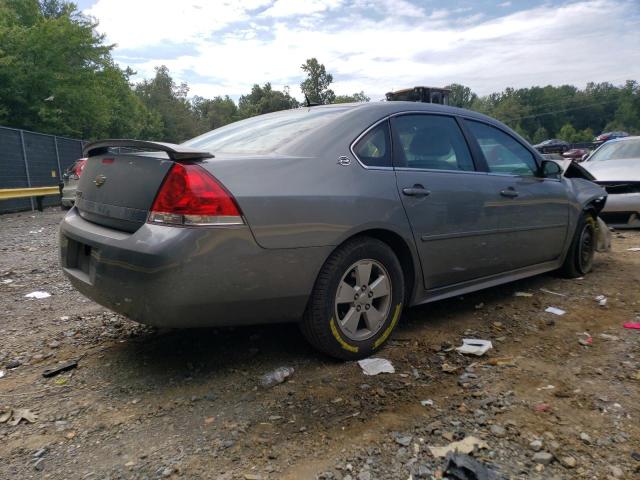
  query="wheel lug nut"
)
[
  {"x": 358, "y": 308},
  {"x": 356, "y": 296},
  {"x": 367, "y": 306},
  {"x": 370, "y": 294}
]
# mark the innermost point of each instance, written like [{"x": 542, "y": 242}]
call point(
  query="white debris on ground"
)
[
  {"x": 38, "y": 294},
  {"x": 375, "y": 366},
  {"x": 555, "y": 310},
  {"x": 523, "y": 294},
  {"x": 602, "y": 300},
  {"x": 474, "y": 346}
]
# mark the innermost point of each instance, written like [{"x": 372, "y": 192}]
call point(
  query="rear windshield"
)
[
  {"x": 617, "y": 150},
  {"x": 264, "y": 133}
]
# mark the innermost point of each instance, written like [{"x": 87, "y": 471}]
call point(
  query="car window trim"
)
[
  {"x": 537, "y": 173},
  {"x": 395, "y": 141}
]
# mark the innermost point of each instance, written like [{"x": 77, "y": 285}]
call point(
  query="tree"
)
[
  {"x": 164, "y": 97},
  {"x": 461, "y": 96},
  {"x": 57, "y": 75},
  {"x": 265, "y": 100},
  {"x": 214, "y": 113},
  {"x": 355, "y": 98},
  {"x": 316, "y": 86},
  {"x": 540, "y": 135}
]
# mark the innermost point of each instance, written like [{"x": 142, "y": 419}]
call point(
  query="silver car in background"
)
[
  {"x": 337, "y": 217},
  {"x": 616, "y": 167}
]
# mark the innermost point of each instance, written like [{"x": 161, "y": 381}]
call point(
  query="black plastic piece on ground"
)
[{"x": 63, "y": 367}]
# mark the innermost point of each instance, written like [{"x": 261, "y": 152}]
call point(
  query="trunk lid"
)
[{"x": 117, "y": 190}]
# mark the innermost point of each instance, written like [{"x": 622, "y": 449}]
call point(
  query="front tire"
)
[
  {"x": 579, "y": 260},
  {"x": 356, "y": 301}
]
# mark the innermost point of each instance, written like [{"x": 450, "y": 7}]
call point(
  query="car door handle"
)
[
  {"x": 511, "y": 193},
  {"x": 416, "y": 191}
]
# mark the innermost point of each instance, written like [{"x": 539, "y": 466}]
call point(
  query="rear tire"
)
[
  {"x": 579, "y": 259},
  {"x": 356, "y": 301}
]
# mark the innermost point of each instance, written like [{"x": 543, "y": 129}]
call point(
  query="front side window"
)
[
  {"x": 502, "y": 152},
  {"x": 374, "y": 149},
  {"x": 432, "y": 142}
]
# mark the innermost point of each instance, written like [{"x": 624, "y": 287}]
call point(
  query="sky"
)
[{"x": 223, "y": 47}]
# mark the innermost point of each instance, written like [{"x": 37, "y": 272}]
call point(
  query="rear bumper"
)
[
  {"x": 187, "y": 277},
  {"x": 622, "y": 210}
]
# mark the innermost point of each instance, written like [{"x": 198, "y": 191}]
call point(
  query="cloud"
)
[{"x": 375, "y": 45}]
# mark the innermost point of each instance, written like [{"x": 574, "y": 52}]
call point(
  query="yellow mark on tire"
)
[
  {"x": 336, "y": 334},
  {"x": 387, "y": 332}
]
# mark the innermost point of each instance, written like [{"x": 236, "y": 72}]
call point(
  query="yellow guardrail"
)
[{"x": 11, "y": 193}]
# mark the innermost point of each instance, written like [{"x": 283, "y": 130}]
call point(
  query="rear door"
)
[
  {"x": 450, "y": 205},
  {"x": 534, "y": 212}
]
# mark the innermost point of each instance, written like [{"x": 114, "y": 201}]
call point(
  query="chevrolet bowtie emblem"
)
[{"x": 99, "y": 181}]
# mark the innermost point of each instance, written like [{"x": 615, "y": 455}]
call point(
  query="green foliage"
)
[
  {"x": 461, "y": 96},
  {"x": 355, "y": 98},
  {"x": 316, "y": 85},
  {"x": 216, "y": 112},
  {"x": 540, "y": 135},
  {"x": 265, "y": 100}
]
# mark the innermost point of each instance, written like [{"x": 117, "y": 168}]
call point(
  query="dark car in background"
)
[
  {"x": 70, "y": 179},
  {"x": 606, "y": 136},
  {"x": 336, "y": 217},
  {"x": 553, "y": 145},
  {"x": 575, "y": 154}
]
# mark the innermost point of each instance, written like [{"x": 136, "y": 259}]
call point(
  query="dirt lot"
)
[{"x": 145, "y": 403}]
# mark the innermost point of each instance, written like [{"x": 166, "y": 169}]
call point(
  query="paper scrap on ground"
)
[
  {"x": 552, "y": 293},
  {"x": 468, "y": 445},
  {"x": 374, "y": 366},
  {"x": 634, "y": 249},
  {"x": 602, "y": 300},
  {"x": 474, "y": 346},
  {"x": 2, "y": 373},
  {"x": 632, "y": 325},
  {"x": 555, "y": 311},
  {"x": 426, "y": 403},
  {"x": 523, "y": 294},
  {"x": 38, "y": 294},
  {"x": 7, "y": 281}
]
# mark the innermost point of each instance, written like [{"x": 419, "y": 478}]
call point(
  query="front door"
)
[{"x": 534, "y": 214}]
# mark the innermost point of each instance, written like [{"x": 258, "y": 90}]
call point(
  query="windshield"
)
[
  {"x": 617, "y": 150},
  {"x": 264, "y": 133}
]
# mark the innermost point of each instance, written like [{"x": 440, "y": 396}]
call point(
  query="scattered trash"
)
[
  {"x": 602, "y": 300},
  {"x": 634, "y": 249},
  {"x": 555, "y": 310},
  {"x": 466, "y": 446},
  {"x": 603, "y": 237},
  {"x": 479, "y": 306},
  {"x": 426, "y": 403},
  {"x": 2, "y": 373},
  {"x": 548, "y": 387},
  {"x": 63, "y": 367},
  {"x": 7, "y": 281},
  {"x": 500, "y": 361},
  {"x": 64, "y": 318},
  {"x": 374, "y": 366},
  {"x": 606, "y": 336},
  {"x": 542, "y": 407},
  {"x": 523, "y": 294},
  {"x": 464, "y": 467},
  {"x": 17, "y": 415},
  {"x": 474, "y": 346},
  {"x": 279, "y": 375},
  {"x": 40, "y": 230},
  {"x": 449, "y": 368},
  {"x": 38, "y": 294},
  {"x": 552, "y": 293},
  {"x": 586, "y": 340},
  {"x": 635, "y": 325}
]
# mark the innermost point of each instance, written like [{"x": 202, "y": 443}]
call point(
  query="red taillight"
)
[
  {"x": 189, "y": 195},
  {"x": 79, "y": 166}
]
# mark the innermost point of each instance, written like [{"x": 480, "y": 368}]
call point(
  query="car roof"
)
[{"x": 624, "y": 139}]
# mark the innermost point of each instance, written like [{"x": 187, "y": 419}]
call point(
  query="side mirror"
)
[{"x": 551, "y": 169}]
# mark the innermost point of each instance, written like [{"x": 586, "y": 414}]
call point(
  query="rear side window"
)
[
  {"x": 374, "y": 148},
  {"x": 503, "y": 153},
  {"x": 432, "y": 142}
]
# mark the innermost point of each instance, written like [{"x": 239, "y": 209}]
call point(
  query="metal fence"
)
[{"x": 30, "y": 159}]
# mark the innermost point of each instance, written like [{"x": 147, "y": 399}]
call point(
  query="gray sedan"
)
[{"x": 336, "y": 217}]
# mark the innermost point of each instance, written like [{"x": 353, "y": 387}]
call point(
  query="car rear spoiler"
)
[{"x": 175, "y": 152}]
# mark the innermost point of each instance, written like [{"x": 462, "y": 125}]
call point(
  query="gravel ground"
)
[{"x": 557, "y": 397}]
